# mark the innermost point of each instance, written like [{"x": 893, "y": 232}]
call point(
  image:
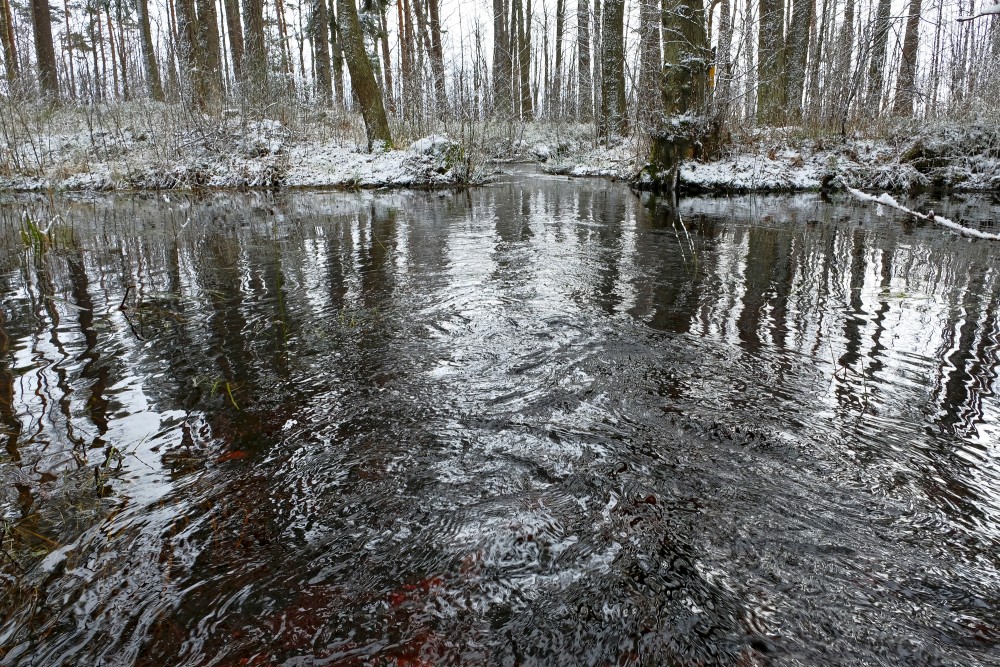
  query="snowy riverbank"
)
[
  {"x": 960, "y": 158},
  {"x": 154, "y": 150}
]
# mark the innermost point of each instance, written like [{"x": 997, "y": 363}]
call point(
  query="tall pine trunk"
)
[
  {"x": 362, "y": 77},
  {"x": 502, "y": 61},
  {"x": 319, "y": 26},
  {"x": 437, "y": 56},
  {"x": 903, "y": 105},
  {"x": 153, "y": 84},
  {"x": 254, "y": 53},
  {"x": 557, "y": 78},
  {"x": 686, "y": 59},
  {"x": 11, "y": 66},
  {"x": 770, "y": 48},
  {"x": 648, "y": 99},
  {"x": 876, "y": 67},
  {"x": 44, "y": 51},
  {"x": 235, "y": 30},
  {"x": 585, "y": 86},
  {"x": 211, "y": 60},
  {"x": 613, "y": 120},
  {"x": 798, "y": 51}
]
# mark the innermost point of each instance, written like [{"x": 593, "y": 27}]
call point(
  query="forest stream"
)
[{"x": 542, "y": 422}]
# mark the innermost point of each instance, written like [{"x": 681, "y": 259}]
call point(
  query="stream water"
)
[{"x": 543, "y": 422}]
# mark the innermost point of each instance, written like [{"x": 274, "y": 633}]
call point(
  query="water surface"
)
[{"x": 542, "y": 422}]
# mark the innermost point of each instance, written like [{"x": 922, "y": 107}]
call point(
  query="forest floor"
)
[
  {"x": 946, "y": 156},
  {"x": 157, "y": 148}
]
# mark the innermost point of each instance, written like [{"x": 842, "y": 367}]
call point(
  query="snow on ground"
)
[
  {"x": 233, "y": 153},
  {"x": 152, "y": 149},
  {"x": 951, "y": 156}
]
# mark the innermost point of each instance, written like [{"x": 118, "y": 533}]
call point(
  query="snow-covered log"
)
[{"x": 886, "y": 200}]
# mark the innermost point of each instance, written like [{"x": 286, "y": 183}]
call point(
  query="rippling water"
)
[{"x": 543, "y": 422}]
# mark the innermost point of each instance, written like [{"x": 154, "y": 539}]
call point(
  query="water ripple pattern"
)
[{"x": 544, "y": 422}]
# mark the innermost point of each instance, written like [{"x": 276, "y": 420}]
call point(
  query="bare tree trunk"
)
[
  {"x": 254, "y": 54},
  {"x": 187, "y": 33},
  {"x": 903, "y": 105},
  {"x": 153, "y": 85},
  {"x": 798, "y": 50},
  {"x": 126, "y": 87},
  {"x": 208, "y": 36},
  {"x": 337, "y": 52},
  {"x": 524, "y": 57},
  {"x": 69, "y": 52},
  {"x": 11, "y": 66},
  {"x": 815, "y": 56},
  {"x": 502, "y": 62},
  {"x": 840, "y": 106},
  {"x": 613, "y": 120},
  {"x": 235, "y": 30},
  {"x": 407, "y": 59},
  {"x": 770, "y": 48},
  {"x": 597, "y": 55},
  {"x": 876, "y": 67},
  {"x": 723, "y": 71},
  {"x": 111, "y": 46},
  {"x": 437, "y": 56},
  {"x": 557, "y": 75},
  {"x": 319, "y": 26},
  {"x": 386, "y": 60},
  {"x": 686, "y": 59},
  {"x": 362, "y": 76},
  {"x": 585, "y": 86},
  {"x": 284, "y": 45},
  {"x": 648, "y": 99},
  {"x": 44, "y": 51}
]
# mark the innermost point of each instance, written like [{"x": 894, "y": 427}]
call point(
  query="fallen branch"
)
[{"x": 886, "y": 200}]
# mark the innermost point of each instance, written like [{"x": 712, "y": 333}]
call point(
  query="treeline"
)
[{"x": 622, "y": 63}]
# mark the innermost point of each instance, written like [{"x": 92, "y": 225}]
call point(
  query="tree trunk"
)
[
  {"x": 386, "y": 60},
  {"x": 111, "y": 46},
  {"x": 319, "y": 26},
  {"x": 798, "y": 51},
  {"x": 557, "y": 78},
  {"x": 254, "y": 54},
  {"x": 845, "y": 48},
  {"x": 44, "y": 51},
  {"x": 69, "y": 52},
  {"x": 613, "y": 120},
  {"x": 153, "y": 85},
  {"x": 585, "y": 86},
  {"x": 686, "y": 59},
  {"x": 502, "y": 100},
  {"x": 770, "y": 48},
  {"x": 337, "y": 52},
  {"x": 814, "y": 102},
  {"x": 437, "y": 56},
  {"x": 407, "y": 60},
  {"x": 876, "y": 67},
  {"x": 126, "y": 86},
  {"x": 208, "y": 38},
  {"x": 524, "y": 57},
  {"x": 362, "y": 78},
  {"x": 189, "y": 49},
  {"x": 235, "y": 30},
  {"x": 284, "y": 46},
  {"x": 11, "y": 66},
  {"x": 648, "y": 98},
  {"x": 597, "y": 56},
  {"x": 723, "y": 68},
  {"x": 903, "y": 105}
]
